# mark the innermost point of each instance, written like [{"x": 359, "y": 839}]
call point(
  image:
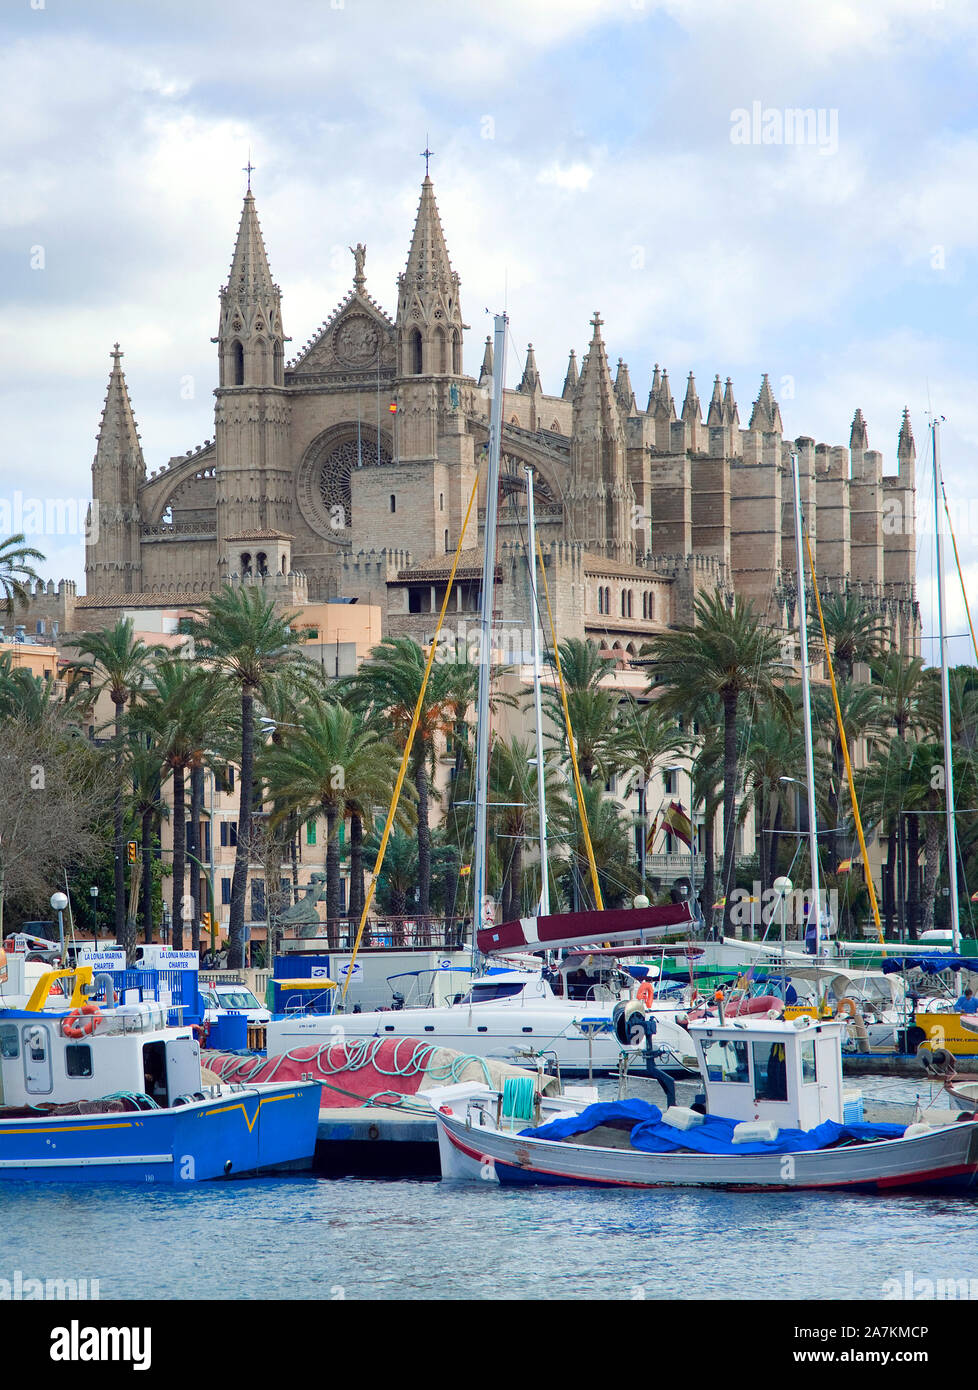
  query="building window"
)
[
  {"x": 258, "y": 900},
  {"x": 393, "y": 503},
  {"x": 600, "y": 599},
  {"x": 456, "y": 353},
  {"x": 39, "y": 627},
  {"x": 446, "y": 540},
  {"x": 669, "y": 783},
  {"x": 225, "y": 891},
  {"x": 229, "y": 833},
  {"x": 310, "y": 832},
  {"x": 237, "y": 364},
  {"x": 415, "y": 354},
  {"x": 441, "y": 508}
]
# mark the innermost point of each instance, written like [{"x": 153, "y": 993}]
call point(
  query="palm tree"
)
[
  {"x": 593, "y": 711},
  {"x": 118, "y": 662},
  {"x": 610, "y": 832},
  {"x": 727, "y": 653},
  {"x": 646, "y": 739},
  {"x": 386, "y": 690},
  {"x": 145, "y": 771},
  {"x": 775, "y": 750},
  {"x": 513, "y": 812},
  {"x": 241, "y": 636},
  {"x": 855, "y": 631},
  {"x": 178, "y": 714},
  {"x": 332, "y": 759},
  {"x": 707, "y": 786},
  {"x": 16, "y": 573}
]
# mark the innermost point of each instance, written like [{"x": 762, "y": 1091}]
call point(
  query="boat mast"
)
[
  {"x": 952, "y": 851},
  {"x": 485, "y": 626},
  {"x": 806, "y": 692},
  {"x": 544, "y": 906}
]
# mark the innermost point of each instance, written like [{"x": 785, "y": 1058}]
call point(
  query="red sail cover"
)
[{"x": 573, "y": 928}]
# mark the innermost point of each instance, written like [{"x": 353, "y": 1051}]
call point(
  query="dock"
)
[
  {"x": 898, "y": 1064},
  {"x": 375, "y": 1141}
]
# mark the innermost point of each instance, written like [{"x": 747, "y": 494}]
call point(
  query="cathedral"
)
[{"x": 344, "y": 475}]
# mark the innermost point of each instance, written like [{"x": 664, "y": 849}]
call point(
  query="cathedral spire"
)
[
  {"x": 654, "y": 393},
  {"x": 623, "y": 389},
  {"x": 530, "y": 380},
  {"x": 858, "y": 435},
  {"x": 766, "y": 415},
  {"x": 906, "y": 448},
  {"x": 692, "y": 412},
  {"x": 665, "y": 406},
  {"x": 572, "y": 377},
  {"x": 714, "y": 417},
  {"x": 731, "y": 415},
  {"x": 118, "y": 470},
  {"x": 485, "y": 372},
  {"x": 250, "y": 337},
  {"x": 429, "y": 320},
  {"x": 596, "y": 390}
]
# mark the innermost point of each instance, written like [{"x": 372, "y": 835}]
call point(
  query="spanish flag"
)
[
  {"x": 676, "y": 819},
  {"x": 465, "y": 869},
  {"x": 651, "y": 833},
  {"x": 844, "y": 866}
]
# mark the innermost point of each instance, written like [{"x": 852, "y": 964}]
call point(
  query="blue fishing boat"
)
[{"x": 107, "y": 1091}]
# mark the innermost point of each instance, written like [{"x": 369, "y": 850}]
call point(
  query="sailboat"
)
[{"x": 507, "y": 1014}]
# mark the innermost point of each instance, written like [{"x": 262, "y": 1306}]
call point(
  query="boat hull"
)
[
  {"x": 234, "y": 1134},
  {"x": 945, "y": 1160}
]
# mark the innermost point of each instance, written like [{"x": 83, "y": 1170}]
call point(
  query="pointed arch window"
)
[
  {"x": 456, "y": 352},
  {"x": 237, "y": 364},
  {"x": 441, "y": 354},
  {"x": 415, "y": 353}
]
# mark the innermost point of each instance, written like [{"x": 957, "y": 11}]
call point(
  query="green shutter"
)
[{"x": 310, "y": 832}]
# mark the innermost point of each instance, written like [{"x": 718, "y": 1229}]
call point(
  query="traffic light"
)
[
  {"x": 133, "y": 848},
  {"x": 205, "y": 921}
]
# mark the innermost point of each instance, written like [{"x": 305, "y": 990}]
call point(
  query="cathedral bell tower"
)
[{"x": 254, "y": 481}]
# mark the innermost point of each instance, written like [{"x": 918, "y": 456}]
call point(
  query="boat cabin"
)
[
  {"x": 88, "y": 1052},
  {"x": 789, "y": 1073}
]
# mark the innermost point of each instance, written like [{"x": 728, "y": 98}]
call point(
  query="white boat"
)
[
  {"x": 511, "y": 1016},
  {"x": 773, "y": 1118}
]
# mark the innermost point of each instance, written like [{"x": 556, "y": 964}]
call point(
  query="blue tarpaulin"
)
[
  {"x": 930, "y": 965},
  {"x": 713, "y": 1136}
]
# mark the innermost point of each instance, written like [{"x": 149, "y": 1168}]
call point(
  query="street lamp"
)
[
  {"x": 692, "y": 844},
  {"x": 782, "y": 886},
  {"x": 59, "y": 902},
  {"x": 165, "y": 924},
  {"x": 93, "y": 894}
]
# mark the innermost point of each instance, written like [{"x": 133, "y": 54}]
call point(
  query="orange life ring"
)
[
  {"x": 72, "y": 1028},
  {"x": 646, "y": 992}
]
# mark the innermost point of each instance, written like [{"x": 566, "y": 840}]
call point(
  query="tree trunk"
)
[
  {"x": 775, "y": 851},
  {"x": 708, "y": 891},
  {"x": 913, "y": 876},
  {"x": 332, "y": 876},
  {"x": 932, "y": 869},
  {"x": 763, "y": 841},
  {"x": 196, "y": 812},
  {"x": 516, "y": 882},
  {"x": 424, "y": 833},
  {"x": 147, "y": 884},
  {"x": 901, "y": 902},
  {"x": 118, "y": 830},
  {"x": 239, "y": 881},
  {"x": 356, "y": 866},
  {"x": 889, "y": 882},
  {"x": 729, "y": 796},
  {"x": 179, "y": 857}
]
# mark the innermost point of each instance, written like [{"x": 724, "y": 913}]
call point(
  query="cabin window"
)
[
  {"x": 726, "y": 1061},
  {"x": 808, "y": 1073},
  {"x": 154, "y": 1071},
  {"x": 78, "y": 1059},
  {"x": 9, "y": 1042},
  {"x": 770, "y": 1071}
]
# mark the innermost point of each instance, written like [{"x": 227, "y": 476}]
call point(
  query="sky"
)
[{"x": 630, "y": 156}]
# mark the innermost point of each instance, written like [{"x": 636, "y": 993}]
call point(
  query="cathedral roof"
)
[{"x": 118, "y": 437}]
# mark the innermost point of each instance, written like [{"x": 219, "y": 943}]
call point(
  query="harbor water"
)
[{"x": 302, "y": 1237}]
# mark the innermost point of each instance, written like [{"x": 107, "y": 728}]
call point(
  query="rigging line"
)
[
  {"x": 599, "y": 905},
  {"x": 405, "y": 759},
  {"x": 845, "y": 744}
]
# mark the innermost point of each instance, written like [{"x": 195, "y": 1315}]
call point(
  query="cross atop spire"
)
[
  {"x": 116, "y": 356},
  {"x": 426, "y": 155},
  {"x": 249, "y": 169},
  {"x": 596, "y": 322}
]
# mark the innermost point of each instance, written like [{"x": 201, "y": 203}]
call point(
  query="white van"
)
[{"x": 231, "y": 996}]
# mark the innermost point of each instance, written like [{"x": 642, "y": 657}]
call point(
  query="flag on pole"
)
[
  {"x": 844, "y": 866},
  {"x": 465, "y": 869},
  {"x": 678, "y": 822},
  {"x": 651, "y": 833}
]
